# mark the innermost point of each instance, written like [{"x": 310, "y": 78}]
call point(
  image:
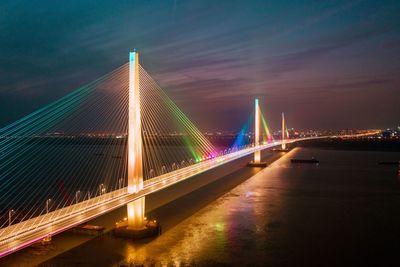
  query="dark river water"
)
[{"x": 344, "y": 211}]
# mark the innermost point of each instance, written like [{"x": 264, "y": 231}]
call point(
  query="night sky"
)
[{"x": 327, "y": 64}]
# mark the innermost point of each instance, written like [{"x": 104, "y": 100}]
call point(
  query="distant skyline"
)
[{"x": 327, "y": 64}]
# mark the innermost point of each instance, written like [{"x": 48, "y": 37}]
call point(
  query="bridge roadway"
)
[{"x": 25, "y": 233}]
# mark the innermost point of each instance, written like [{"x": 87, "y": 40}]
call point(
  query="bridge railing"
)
[{"x": 44, "y": 220}]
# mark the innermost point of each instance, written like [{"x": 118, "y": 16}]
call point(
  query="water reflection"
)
[{"x": 218, "y": 233}]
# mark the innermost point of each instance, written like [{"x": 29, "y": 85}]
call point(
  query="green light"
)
[
  {"x": 220, "y": 227},
  {"x": 265, "y": 125}
]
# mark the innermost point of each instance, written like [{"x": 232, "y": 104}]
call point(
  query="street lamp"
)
[
  {"x": 10, "y": 213},
  {"x": 47, "y": 205},
  {"x": 77, "y": 193},
  {"x": 102, "y": 189}
]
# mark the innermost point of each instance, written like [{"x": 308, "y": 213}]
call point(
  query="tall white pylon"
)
[
  {"x": 135, "y": 150},
  {"x": 257, "y": 154},
  {"x": 283, "y": 131}
]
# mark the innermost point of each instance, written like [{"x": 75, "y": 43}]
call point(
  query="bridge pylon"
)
[
  {"x": 284, "y": 135},
  {"x": 257, "y": 119},
  {"x": 136, "y": 225},
  {"x": 135, "y": 145},
  {"x": 283, "y": 132},
  {"x": 257, "y": 154}
]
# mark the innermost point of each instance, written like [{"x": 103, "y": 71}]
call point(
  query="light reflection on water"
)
[
  {"x": 185, "y": 242},
  {"x": 216, "y": 234},
  {"x": 285, "y": 214}
]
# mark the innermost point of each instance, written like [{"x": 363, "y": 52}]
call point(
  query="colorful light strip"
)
[{"x": 266, "y": 129}]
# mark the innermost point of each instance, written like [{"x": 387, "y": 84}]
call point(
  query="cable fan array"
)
[
  {"x": 61, "y": 154},
  {"x": 170, "y": 139},
  {"x": 75, "y": 148},
  {"x": 245, "y": 136}
]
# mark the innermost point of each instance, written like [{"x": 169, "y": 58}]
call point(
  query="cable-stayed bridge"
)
[{"x": 105, "y": 145}]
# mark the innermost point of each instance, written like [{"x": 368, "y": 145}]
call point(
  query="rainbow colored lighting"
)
[
  {"x": 240, "y": 139},
  {"x": 266, "y": 129},
  {"x": 195, "y": 142}
]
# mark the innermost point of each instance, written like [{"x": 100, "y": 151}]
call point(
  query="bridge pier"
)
[{"x": 135, "y": 211}]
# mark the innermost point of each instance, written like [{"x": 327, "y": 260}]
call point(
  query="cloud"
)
[{"x": 215, "y": 54}]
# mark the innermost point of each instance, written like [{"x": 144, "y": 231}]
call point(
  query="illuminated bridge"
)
[{"x": 105, "y": 145}]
